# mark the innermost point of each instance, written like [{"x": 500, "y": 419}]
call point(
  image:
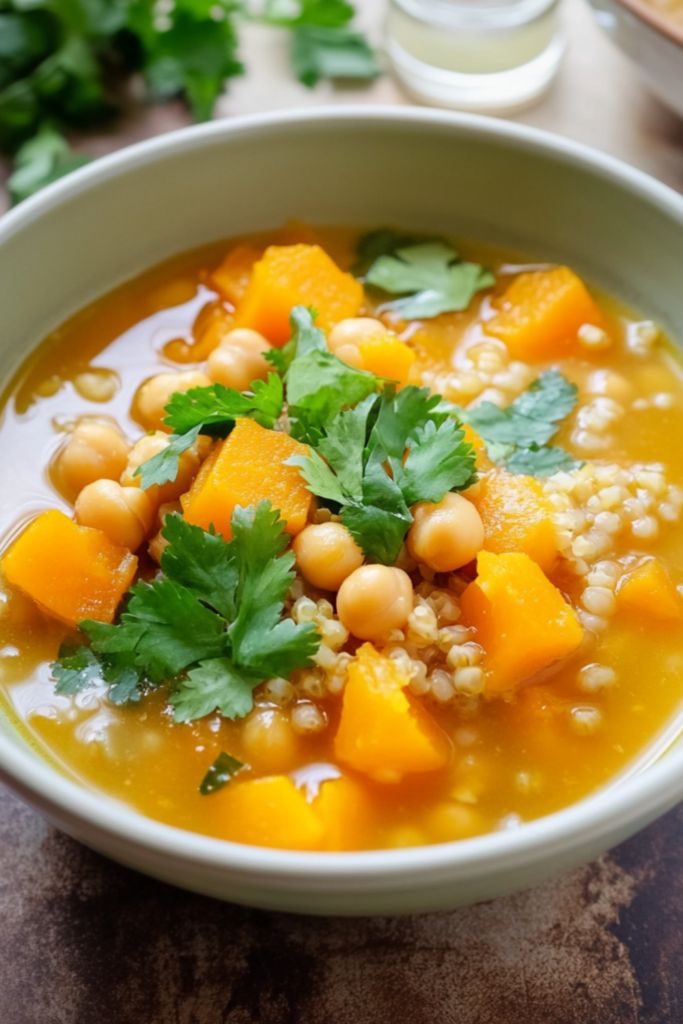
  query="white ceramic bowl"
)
[
  {"x": 426, "y": 170},
  {"x": 654, "y": 43}
]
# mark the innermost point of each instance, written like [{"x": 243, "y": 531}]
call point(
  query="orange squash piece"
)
[
  {"x": 387, "y": 357},
  {"x": 246, "y": 468},
  {"x": 482, "y": 461},
  {"x": 522, "y": 621},
  {"x": 344, "y": 809},
  {"x": 73, "y": 572},
  {"x": 516, "y": 517},
  {"x": 293, "y": 275},
  {"x": 382, "y": 730},
  {"x": 649, "y": 591},
  {"x": 269, "y": 812},
  {"x": 233, "y": 275},
  {"x": 541, "y": 313}
]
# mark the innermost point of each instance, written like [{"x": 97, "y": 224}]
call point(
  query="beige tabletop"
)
[{"x": 83, "y": 941}]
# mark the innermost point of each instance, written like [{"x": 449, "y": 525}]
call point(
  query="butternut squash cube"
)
[
  {"x": 482, "y": 461},
  {"x": 382, "y": 730},
  {"x": 232, "y": 277},
  {"x": 343, "y": 806},
  {"x": 516, "y": 517},
  {"x": 292, "y": 275},
  {"x": 246, "y": 468},
  {"x": 649, "y": 591},
  {"x": 387, "y": 357},
  {"x": 269, "y": 812},
  {"x": 522, "y": 621},
  {"x": 73, "y": 572},
  {"x": 541, "y": 314}
]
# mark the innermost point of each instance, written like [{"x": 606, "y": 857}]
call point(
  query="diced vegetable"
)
[
  {"x": 269, "y": 812},
  {"x": 383, "y": 731},
  {"x": 522, "y": 621},
  {"x": 387, "y": 357},
  {"x": 516, "y": 517},
  {"x": 232, "y": 277},
  {"x": 247, "y": 468},
  {"x": 294, "y": 275},
  {"x": 483, "y": 462},
  {"x": 541, "y": 313},
  {"x": 344, "y": 809},
  {"x": 648, "y": 591},
  {"x": 74, "y": 572}
]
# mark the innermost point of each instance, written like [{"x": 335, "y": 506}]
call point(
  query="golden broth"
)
[{"x": 513, "y": 760}]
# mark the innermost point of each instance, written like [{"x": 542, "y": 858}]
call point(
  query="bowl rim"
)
[
  {"x": 654, "y": 19},
  {"x": 594, "y": 820}
]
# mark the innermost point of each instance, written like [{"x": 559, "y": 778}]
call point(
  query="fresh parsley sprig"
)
[
  {"x": 432, "y": 278},
  {"x": 211, "y": 411},
  {"x": 211, "y": 625},
  {"x": 388, "y": 452},
  {"x": 517, "y": 437},
  {"x": 319, "y": 385}
]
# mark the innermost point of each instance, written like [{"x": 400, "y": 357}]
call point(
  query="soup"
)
[{"x": 336, "y": 540}]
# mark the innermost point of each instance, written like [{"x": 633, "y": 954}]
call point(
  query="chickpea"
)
[
  {"x": 353, "y": 331},
  {"x": 269, "y": 741},
  {"x": 94, "y": 451},
  {"x": 150, "y": 445},
  {"x": 124, "y": 514},
  {"x": 351, "y": 355},
  {"x": 375, "y": 599},
  {"x": 153, "y": 396},
  {"x": 326, "y": 554},
  {"x": 447, "y": 535},
  {"x": 158, "y": 544},
  {"x": 239, "y": 360}
]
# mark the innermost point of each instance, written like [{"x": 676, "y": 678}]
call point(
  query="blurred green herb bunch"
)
[{"x": 65, "y": 64}]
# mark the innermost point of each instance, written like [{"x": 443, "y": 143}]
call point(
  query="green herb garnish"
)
[
  {"x": 432, "y": 277},
  {"x": 211, "y": 626},
  {"x": 64, "y": 65},
  {"x": 220, "y": 773},
  {"x": 360, "y": 464},
  {"x": 517, "y": 436},
  {"x": 211, "y": 411}
]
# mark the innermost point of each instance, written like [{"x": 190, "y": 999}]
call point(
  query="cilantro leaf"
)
[
  {"x": 438, "y": 461},
  {"x": 320, "y": 479},
  {"x": 220, "y": 773},
  {"x": 163, "y": 466},
  {"x": 215, "y": 685},
  {"x": 194, "y": 54},
  {"x": 540, "y": 461},
  {"x": 516, "y": 436},
  {"x": 260, "y": 639},
  {"x": 76, "y": 669},
  {"x": 400, "y": 414},
  {"x": 549, "y": 398},
  {"x": 318, "y": 382},
  {"x": 202, "y": 562},
  {"x": 338, "y": 52},
  {"x": 290, "y": 13},
  {"x": 378, "y": 525},
  {"x": 433, "y": 276},
  {"x": 212, "y": 411},
  {"x": 343, "y": 445},
  {"x": 507, "y": 426},
  {"x": 215, "y": 408},
  {"x": 126, "y": 688},
  {"x": 165, "y": 627},
  {"x": 41, "y": 160},
  {"x": 384, "y": 242}
]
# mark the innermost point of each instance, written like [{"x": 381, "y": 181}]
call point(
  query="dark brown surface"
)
[{"x": 83, "y": 941}]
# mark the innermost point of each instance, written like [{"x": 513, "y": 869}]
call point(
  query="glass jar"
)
[{"x": 490, "y": 56}]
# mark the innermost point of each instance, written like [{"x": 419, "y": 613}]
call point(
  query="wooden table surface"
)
[{"x": 83, "y": 941}]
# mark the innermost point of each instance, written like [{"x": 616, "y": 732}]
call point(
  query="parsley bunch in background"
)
[{"x": 64, "y": 64}]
